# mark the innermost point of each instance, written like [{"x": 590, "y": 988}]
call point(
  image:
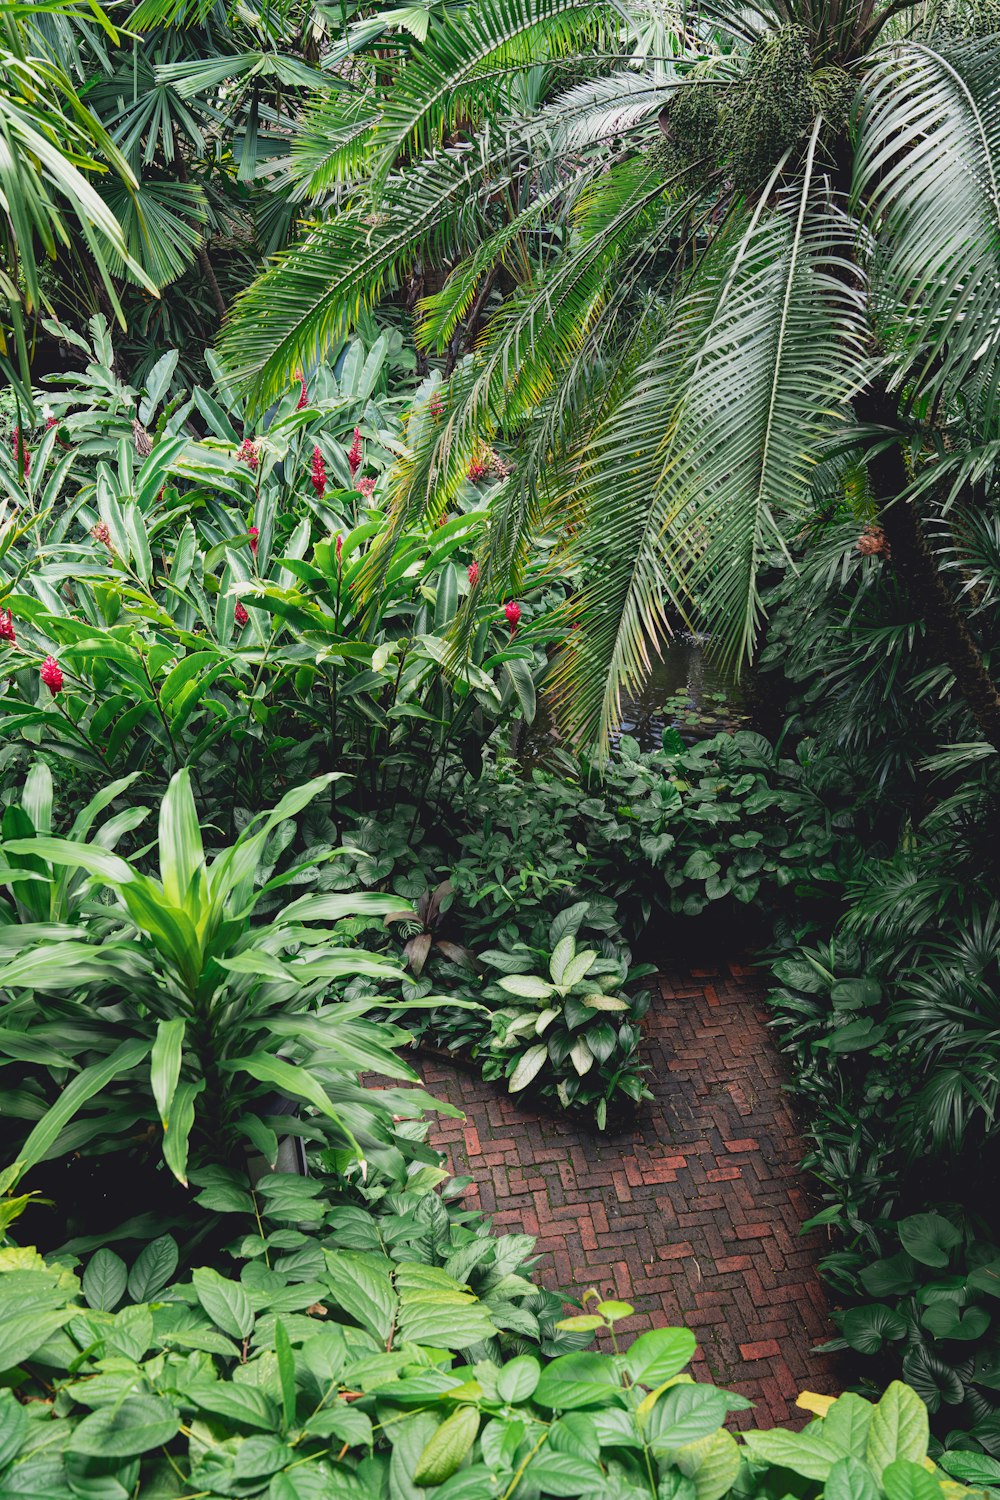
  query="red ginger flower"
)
[
  {"x": 339, "y": 549},
  {"x": 303, "y": 394},
  {"x": 7, "y": 632},
  {"x": 20, "y": 450},
  {"x": 52, "y": 675},
  {"x": 254, "y": 534},
  {"x": 318, "y": 475},
  {"x": 367, "y": 487},
  {"x": 241, "y": 615},
  {"x": 51, "y": 422},
  {"x": 513, "y": 612},
  {"x": 354, "y": 456},
  {"x": 473, "y": 572},
  {"x": 248, "y": 454}
]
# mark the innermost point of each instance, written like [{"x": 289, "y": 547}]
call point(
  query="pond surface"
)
[{"x": 686, "y": 690}]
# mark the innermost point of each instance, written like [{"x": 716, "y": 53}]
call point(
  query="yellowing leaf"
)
[{"x": 817, "y": 1404}]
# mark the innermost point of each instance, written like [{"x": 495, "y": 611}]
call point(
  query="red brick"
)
[{"x": 766, "y": 1349}]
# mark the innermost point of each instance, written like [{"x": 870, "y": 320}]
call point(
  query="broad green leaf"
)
[
  {"x": 712, "y": 1462},
  {"x": 527, "y": 986},
  {"x": 165, "y": 1065},
  {"x": 899, "y": 1429},
  {"x": 804, "y": 1453},
  {"x": 847, "y": 1424},
  {"x": 659, "y": 1355},
  {"x": 154, "y": 1266},
  {"x": 518, "y": 1378},
  {"x": 578, "y": 1380},
  {"x": 529, "y": 1064},
  {"x": 561, "y": 955},
  {"x": 135, "y": 1425},
  {"x": 850, "y": 1479},
  {"x": 104, "y": 1280},
  {"x": 176, "y": 1137},
  {"x": 905, "y": 1480},
  {"x": 286, "y": 1374},
  {"x": 13, "y": 1427},
  {"x": 929, "y": 1238},
  {"x": 447, "y": 1448},
  {"x": 226, "y": 1302},
  {"x": 685, "y": 1413},
  {"x": 99, "y": 862},
  {"x": 363, "y": 1290},
  {"x": 181, "y": 851}
]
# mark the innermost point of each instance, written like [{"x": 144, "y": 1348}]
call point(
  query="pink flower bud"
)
[
  {"x": 248, "y": 454},
  {"x": 241, "y": 615},
  {"x": 254, "y": 534},
  {"x": 513, "y": 612},
  {"x": 7, "y": 632},
  {"x": 339, "y": 549},
  {"x": 366, "y": 487},
  {"x": 101, "y": 533},
  {"x": 303, "y": 393},
  {"x": 473, "y": 572},
  {"x": 52, "y": 675}
]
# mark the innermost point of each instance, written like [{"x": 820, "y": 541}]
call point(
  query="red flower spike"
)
[
  {"x": 303, "y": 394},
  {"x": 339, "y": 549},
  {"x": 52, "y": 675},
  {"x": 473, "y": 572},
  {"x": 513, "y": 612},
  {"x": 248, "y": 454},
  {"x": 7, "y": 632},
  {"x": 367, "y": 487},
  {"x": 241, "y": 616},
  {"x": 354, "y": 456},
  {"x": 318, "y": 473},
  {"x": 254, "y": 534},
  {"x": 20, "y": 451}
]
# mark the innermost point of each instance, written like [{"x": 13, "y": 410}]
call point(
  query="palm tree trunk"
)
[{"x": 947, "y": 629}]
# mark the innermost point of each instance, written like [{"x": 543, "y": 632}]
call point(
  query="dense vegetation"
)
[{"x": 325, "y": 584}]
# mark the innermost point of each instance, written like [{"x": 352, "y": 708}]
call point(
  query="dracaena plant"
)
[
  {"x": 569, "y": 1028},
  {"x": 184, "y": 1001}
]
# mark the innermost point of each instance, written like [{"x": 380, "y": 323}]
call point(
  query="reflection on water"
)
[{"x": 686, "y": 691}]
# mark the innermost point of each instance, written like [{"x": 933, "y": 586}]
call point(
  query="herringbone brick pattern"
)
[{"x": 694, "y": 1217}]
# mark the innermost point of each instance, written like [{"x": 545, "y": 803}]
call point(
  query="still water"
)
[{"x": 687, "y": 690}]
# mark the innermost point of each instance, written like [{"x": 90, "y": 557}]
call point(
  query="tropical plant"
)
[
  {"x": 932, "y": 1317},
  {"x": 164, "y": 1006},
  {"x": 690, "y": 277},
  {"x": 216, "y": 1383},
  {"x": 569, "y": 1031},
  {"x": 54, "y": 148}
]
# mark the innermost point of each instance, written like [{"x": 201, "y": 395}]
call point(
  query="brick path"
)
[{"x": 695, "y": 1216}]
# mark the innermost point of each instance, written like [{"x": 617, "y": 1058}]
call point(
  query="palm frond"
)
[
  {"x": 928, "y": 172},
  {"x": 705, "y": 464},
  {"x": 460, "y": 73}
]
